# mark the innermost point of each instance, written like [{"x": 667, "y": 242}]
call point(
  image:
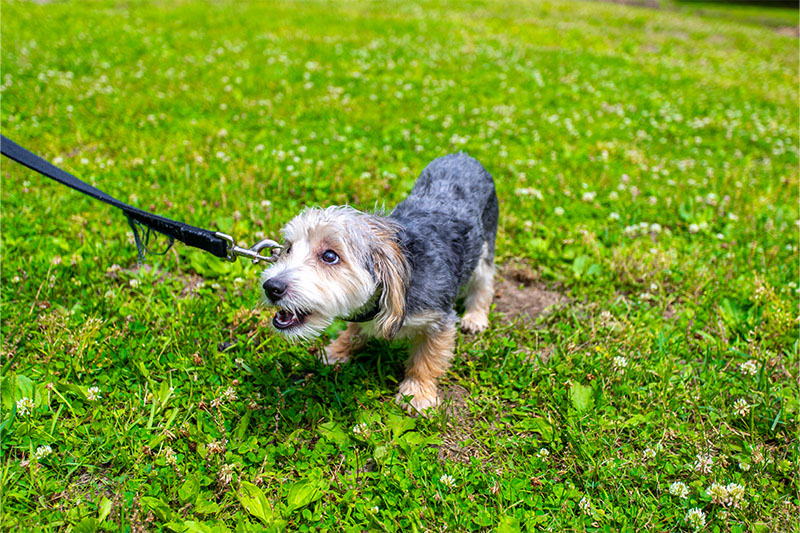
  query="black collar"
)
[{"x": 367, "y": 311}]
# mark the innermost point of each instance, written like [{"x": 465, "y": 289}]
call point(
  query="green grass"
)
[{"x": 647, "y": 167}]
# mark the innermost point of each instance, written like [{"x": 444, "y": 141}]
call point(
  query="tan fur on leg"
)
[
  {"x": 339, "y": 350},
  {"x": 431, "y": 353},
  {"x": 480, "y": 291}
]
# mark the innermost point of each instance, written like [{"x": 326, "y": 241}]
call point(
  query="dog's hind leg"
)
[
  {"x": 346, "y": 343},
  {"x": 431, "y": 353},
  {"x": 479, "y": 293}
]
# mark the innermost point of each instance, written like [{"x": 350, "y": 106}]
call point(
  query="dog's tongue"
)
[{"x": 285, "y": 319}]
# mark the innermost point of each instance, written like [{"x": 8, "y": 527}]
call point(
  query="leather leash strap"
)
[{"x": 204, "y": 239}]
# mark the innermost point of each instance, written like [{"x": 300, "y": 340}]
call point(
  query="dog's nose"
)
[{"x": 275, "y": 288}]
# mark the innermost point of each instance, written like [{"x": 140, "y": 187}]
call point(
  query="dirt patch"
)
[
  {"x": 789, "y": 31},
  {"x": 520, "y": 295},
  {"x": 652, "y": 4},
  {"x": 454, "y": 401}
]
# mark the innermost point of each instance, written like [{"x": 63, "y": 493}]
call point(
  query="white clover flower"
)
[
  {"x": 15, "y": 279},
  {"x": 679, "y": 489},
  {"x": 375, "y": 509},
  {"x": 586, "y": 505},
  {"x": 749, "y": 368},
  {"x": 360, "y": 429},
  {"x": 718, "y": 493},
  {"x": 655, "y": 227},
  {"x": 649, "y": 454},
  {"x": 529, "y": 191},
  {"x": 448, "y": 481},
  {"x": 614, "y": 216},
  {"x": 744, "y": 467},
  {"x": 652, "y": 200},
  {"x": 703, "y": 463},
  {"x": 696, "y": 518},
  {"x": 543, "y": 454},
  {"x": 42, "y": 452},
  {"x": 230, "y": 395},
  {"x": 169, "y": 456},
  {"x": 134, "y": 283},
  {"x": 619, "y": 362},
  {"x": 559, "y": 211},
  {"x": 740, "y": 407},
  {"x": 25, "y": 406},
  {"x": 694, "y": 228},
  {"x": 225, "y": 474},
  {"x": 93, "y": 393},
  {"x": 588, "y": 196},
  {"x": 735, "y": 495}
]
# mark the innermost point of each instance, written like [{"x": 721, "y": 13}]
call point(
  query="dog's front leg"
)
[
  {"x": 346, "y": 343},
  {"x": 431, "y": 353}
]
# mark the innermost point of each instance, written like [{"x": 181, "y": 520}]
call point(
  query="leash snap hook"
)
[{"x": 254, "y": 253}]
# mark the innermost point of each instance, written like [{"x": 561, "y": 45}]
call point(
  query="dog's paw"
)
[
  {"x": 333, "y": 355},
  {"x": 417, "y": 397},
  {"x": 474, "y": 322}
]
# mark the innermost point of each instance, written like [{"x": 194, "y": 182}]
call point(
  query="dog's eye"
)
[
  {"x": 288, "y": 249},
  {"x": 330, "y": 257}
]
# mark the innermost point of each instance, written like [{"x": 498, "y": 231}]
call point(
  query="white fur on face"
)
[{"x": 319, "y": 291}]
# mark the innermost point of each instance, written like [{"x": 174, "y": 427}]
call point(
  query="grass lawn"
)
[{"x": 646, "y": 162}]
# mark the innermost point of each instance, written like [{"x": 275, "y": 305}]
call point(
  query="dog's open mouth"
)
[{"x": 285, "y": 319}]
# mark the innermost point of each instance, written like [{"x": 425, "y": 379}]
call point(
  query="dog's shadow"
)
[{"x": 296, "y": 386}]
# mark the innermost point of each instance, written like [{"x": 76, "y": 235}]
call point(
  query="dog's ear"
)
[{"x": 392, "y": 273}]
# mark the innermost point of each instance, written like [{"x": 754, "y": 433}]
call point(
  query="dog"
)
[{"x": 394, "y": 276}]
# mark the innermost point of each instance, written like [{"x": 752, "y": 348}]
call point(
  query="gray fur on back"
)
[{"x": 451, "y": 211}]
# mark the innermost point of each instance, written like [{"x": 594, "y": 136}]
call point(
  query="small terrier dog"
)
[{"x": 395, "y": 276}]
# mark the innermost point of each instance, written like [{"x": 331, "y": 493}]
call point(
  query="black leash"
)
[{"x": 215, "y": 243}]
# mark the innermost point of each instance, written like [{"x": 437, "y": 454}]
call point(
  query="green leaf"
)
[
  {"x": 87, "y": 525},
  {"x": 304, "y": 492},
  {"x": 508, "y": 524},
  {"x": 241, "y": 429},
  {"x": 198, "y": 527},
  {"x": 732, "y": 313},
  {"x": 189, "y": 489},
  {"x": 104, "y": 509},
  {"x": 159, "y": 508},
  {"x": 543, "y": 427},
  {"x": 204, "y": 506},
  {"x": 8, "y": 386},
  {"x": 379, "y": 453},
  {"x": 579, "y": 265},
  {"x": 25, "y": 387},
  {"x": 581, "y": 397},
  {"x": 255, "y": 502},
  {"x": 399, "y": 424},
  {"x": 333, "y": 432}
]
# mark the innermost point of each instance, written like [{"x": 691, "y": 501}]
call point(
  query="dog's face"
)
[{"x": 333, "y": 262}]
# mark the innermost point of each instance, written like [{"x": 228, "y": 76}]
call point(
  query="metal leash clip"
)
[{"x": 254, "y": 253}]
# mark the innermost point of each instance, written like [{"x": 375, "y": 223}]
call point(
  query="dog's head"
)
[{"x": 334, "y": 264}]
